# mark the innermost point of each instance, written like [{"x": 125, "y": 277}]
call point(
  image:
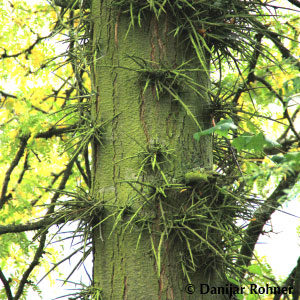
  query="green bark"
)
[{"x": 136, "y": 123}]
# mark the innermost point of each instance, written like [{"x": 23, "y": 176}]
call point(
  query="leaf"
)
[
  {"x": 296, "y": 83},
  {"x": 253, "y": 142},
  {"x": 235, "y": 282},
  {"x": 277, "y": 159},
  {"x": 239, "y": 296},
  {"x": 252, "y": 297},
  {"x": 271, "y": 143},
  {"x": 255, "y": 269},
  {"x": 292, "y": 158},
  {"x": 221, "y": 128}
]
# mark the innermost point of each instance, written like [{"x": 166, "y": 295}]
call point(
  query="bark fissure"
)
[
  {"x": 125, "y": 288},
  {"x": 114, "y": 127},
  {"x": 112, "y": 275}
]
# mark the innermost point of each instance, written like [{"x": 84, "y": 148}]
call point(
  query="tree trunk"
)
[{"x": 147, "y": 146}]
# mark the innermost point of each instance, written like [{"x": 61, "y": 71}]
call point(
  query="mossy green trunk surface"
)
[{"x": 147, "y": 148}]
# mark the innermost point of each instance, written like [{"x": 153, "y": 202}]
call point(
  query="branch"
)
[
  {"x": 44, "y": 223},
  {"x": 295, "y": 2},
  {"x": 274, "y": 37},
  {"x": 73, "y": 4},
  {"x": 47, "y": 220},
  {"x": 38, "y": 254},
  {"x": 283, "y": 148},
  {"x": 296, "y": 292},
  {"x": 27, "y": 50},
  {"x": 283, "y": 137},
  {"x": 251, "y": 67},
  {"x": 292, "y": 281},
  {"x": 6, "y": 286},
  {"x": 81, "y": 170},
  {"x": 61, "y": 186},
  {"x": 87, "y": 166},
  {"x": 7, "y": 95},
  {"x": 285, "y": 113},
  {"x": 14, "y": 163},
  {"x": 55, "y": 177},
  {"x": 261, "y": 216},
  {"x": 53, "y": 131},
  {"x": 25, "y": 168}
]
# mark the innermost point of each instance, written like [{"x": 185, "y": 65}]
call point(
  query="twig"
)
[
  {"x": 6, "y": 286},
  {"x": 14, "y": 163},
  {"x": 285, "y": 113},
  {"x": 44, "y": 223},
  {"x": 295, "y": 2},
  {"x": 291, "y": 282},
  {"x": 261, "y": 216},
  {"x": 38, "y": 254}
]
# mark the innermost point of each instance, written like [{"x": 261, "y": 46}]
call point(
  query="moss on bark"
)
[{"x": 137, "y": 122}]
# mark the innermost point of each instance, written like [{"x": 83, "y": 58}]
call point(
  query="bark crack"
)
[
  {"x": 114, "y": 127},
  {"x": 112, "y": 275},
  {"x": 116, "y": 30},
  {"x": 125, "y": 288}
]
